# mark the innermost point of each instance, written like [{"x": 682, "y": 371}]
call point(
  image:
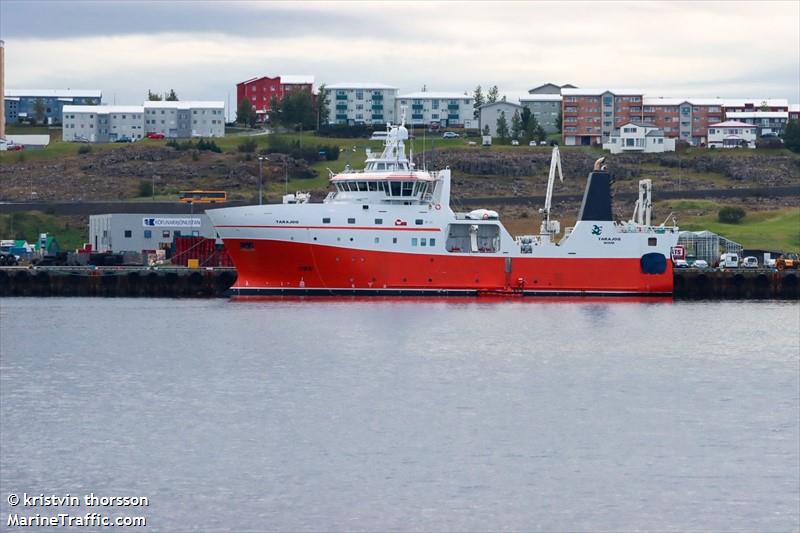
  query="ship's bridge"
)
[{"x": 387, "y": 178}]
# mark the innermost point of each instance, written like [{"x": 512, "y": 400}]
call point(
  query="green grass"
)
[
  {"x": 774, "y": 230},
  {"x": 28, "y": 226}
]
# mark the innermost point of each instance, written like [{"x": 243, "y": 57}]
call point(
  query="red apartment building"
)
[
  {"x": 589, "y": 116},
  {"x": 261, "y": 90}
]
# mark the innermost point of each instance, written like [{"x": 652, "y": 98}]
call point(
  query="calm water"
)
[{"x": 407, "y": 415}]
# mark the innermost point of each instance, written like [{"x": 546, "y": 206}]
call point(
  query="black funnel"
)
[{"x": 597, "y": 198}]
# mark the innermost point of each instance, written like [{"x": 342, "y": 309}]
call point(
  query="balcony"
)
[{"x": 453, "y": 107}]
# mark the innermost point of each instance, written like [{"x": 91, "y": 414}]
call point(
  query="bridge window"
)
[
  {"x": 395, "y": 187},
  {"x": 408, "y": 188},
  {"x": 372, "y": 186},
  {"x": 362, "y": 185},
  {"x": 378, "y": 221},
  {"x": 128, "y": 234},
  {"x": 326, "y": 220}
]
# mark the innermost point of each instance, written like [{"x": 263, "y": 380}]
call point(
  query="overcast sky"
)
[{"x": 201, "y": 49}]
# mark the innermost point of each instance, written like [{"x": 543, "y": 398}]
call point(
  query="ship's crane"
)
[
  {"x": 643, "y": 207},
  {"x": 551, "y": 227}
]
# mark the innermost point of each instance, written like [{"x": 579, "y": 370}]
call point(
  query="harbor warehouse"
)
[{"x": 126, "y": 232}]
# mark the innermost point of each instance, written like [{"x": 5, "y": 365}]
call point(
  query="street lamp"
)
[{"x": 261, "y": 160}]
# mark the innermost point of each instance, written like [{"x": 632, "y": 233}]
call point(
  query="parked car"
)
[
  {"x": 750, "y": 262},
  {"x": 680, "y": 263},
  {"x": 124, "y": 140},
  {"x": 449, "y": 135},
  {"x": 514, "y": 142},
  {"x": 154, "y": 135},
  {"x": 532, "y": 143},
  {"x": 14, "y": 147},
  {"x": 700, "y": 263}
]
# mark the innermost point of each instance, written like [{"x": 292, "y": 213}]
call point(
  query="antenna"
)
[{"x": 424, "y": 165}]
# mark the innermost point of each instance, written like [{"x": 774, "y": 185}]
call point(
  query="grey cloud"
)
[{"x": 52, "y": 20}]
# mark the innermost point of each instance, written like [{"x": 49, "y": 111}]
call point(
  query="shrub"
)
[
  {"x": 247, "y": 146},
  {"x": 731, "y": 215},
  {"x": 85, "y": 149},
  {"x": 208, "y": 146},
  {"x": 145, "y": 188}
]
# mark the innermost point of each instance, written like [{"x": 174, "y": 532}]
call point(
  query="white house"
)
[
  {"x": 360, "y": 103},
  {"x": 443, "y": 108},
  {"x": 732, "y": 134},
  {"x": 490, "y": 113},
  {"x": 639, "y": 137}
]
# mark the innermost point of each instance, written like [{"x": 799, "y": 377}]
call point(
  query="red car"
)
[
  {"x": 154, "y": 135},
  {"x": 15, "y": 147}
]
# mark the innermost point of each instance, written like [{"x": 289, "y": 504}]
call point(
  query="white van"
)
[
  {"x": 379, "y": 136},
  {"x": 729, "y": 261}
]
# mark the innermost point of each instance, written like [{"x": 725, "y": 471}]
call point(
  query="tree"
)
[
  {"x": 38, "y": 110},
  {"x": 274, "y": 110},
  {"x": 525, "y": 119},
  {"x": 486, "y": 130},
  {"x": 171, "y": 97},
  {"x": 516, "y": 125},
  {"x": 153, "y": 97},
  {"x": 477, "y": 96},
  {"x": 245, "y": 113},
  {"x": 559, "y": 120},
  {"x": 323, "y": 111},
  {"x": 502, "y": 125},
  {"x": 296, "y": 109},
  {"x": 533, "y": 127},
  {"x": 491, "y": 96},
  {"x": 791, "y": 136}
]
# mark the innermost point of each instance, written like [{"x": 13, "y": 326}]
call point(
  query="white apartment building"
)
[
  {"x": 184, "y": 119},
  {"x": 102, "y": 123},
  {"x": 109, "y": 123},
  {"x": 442, "y": 108},
  {"x": 360, "y": 103},
  {"x": 732, "y": 134},
  {"x": 638, "y": 137}
]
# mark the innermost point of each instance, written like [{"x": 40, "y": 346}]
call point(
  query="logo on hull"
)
[{"x": 597, "y": 230}]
